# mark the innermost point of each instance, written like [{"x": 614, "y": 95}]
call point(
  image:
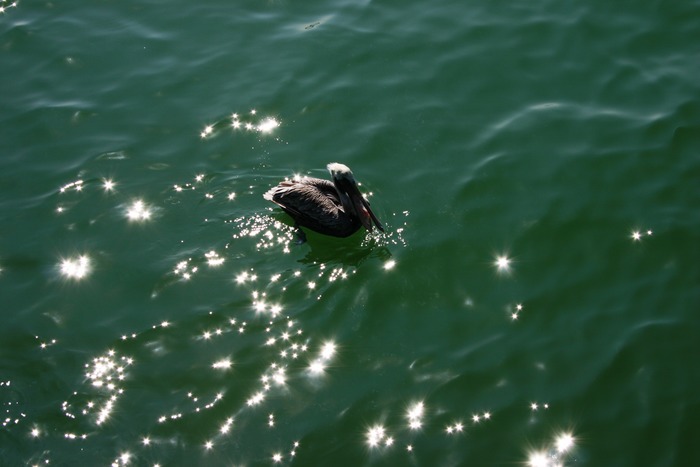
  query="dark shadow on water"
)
[
  {"x": 324, "y": 249},
  {"x": 350, "y": 251}
]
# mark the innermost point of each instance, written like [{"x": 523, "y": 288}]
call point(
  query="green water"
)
[{"x": 534, "y": 300}]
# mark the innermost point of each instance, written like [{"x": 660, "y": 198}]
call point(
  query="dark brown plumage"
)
[{"x": 335, "y": 208}]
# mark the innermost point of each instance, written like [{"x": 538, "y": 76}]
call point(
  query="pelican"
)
[{"x": 335, "y": 208}]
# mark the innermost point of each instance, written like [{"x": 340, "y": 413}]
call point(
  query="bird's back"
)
[{"x": 314, "y": 203}]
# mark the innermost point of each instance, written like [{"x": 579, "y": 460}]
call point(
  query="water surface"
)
[{"x": 534, "y": 300}]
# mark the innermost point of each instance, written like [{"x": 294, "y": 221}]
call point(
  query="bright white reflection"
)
[
  {"x": 514, "y": 315},
  {"x": 564, "y": 442},
  {"x": 375, "y": 435},
  {"x": 108, "y": 184},
  {"x": 213, "y": 259},
  {"x": 226, "y": 427},
  {"x": 206, "y": 131},
  {"x": 288, "y": 353},
  {"x": 534, "y": 406},
  {"x": 268, "y": 125},
  {"x": 538, "y": 459},
  {"x": 106, "y": 373},
  {"x": 553, "y": 455},
  {"x": 138, "y": 211},
  {"x": 457, "y": 427},
  {"x": 244, "y": 277},
  {"x": 123, "y": 459},
  {"x": 415, "y": 415},
  {"x": 502, "y": 264},
  {"x": 223, "y": 364},
  {"x": 76, "y": 268},
  {"x": 269, "y": 233},
  {"x": 280, "y": 376},
  {"x": 256, "y": 399},
  {"x": 318, "y": 365},
  {"x": 636, "y": 235},
  {"x": 77, "y": 185},
  {"x": 3, "y": 8},
  {"x": 250, "y": 122},
  {"x": 328, "y": 350},
  {"x": 184, "y": 270}
]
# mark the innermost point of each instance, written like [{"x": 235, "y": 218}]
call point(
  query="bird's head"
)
[{"x": 350, "y": 197}]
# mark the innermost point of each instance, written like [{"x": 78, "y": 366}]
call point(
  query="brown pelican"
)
[{"x": 334, "y": 208}]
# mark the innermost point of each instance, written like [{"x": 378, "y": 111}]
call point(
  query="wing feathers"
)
[{"x": 313, "y": 203}]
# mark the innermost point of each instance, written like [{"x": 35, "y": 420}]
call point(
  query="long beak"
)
[
  {"x": 371, "y": 214},
  {"x": 364, "y": 212}
]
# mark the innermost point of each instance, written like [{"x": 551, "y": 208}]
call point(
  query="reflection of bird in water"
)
[{"x": 334, "y": 208}]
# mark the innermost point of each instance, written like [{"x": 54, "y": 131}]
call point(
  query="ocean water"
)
[{"x": 533, "y": 301}]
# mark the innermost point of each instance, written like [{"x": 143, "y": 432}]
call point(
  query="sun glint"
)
[
  {"x": 76, "y": 268},
  {"x": 502, "y": 264}
]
